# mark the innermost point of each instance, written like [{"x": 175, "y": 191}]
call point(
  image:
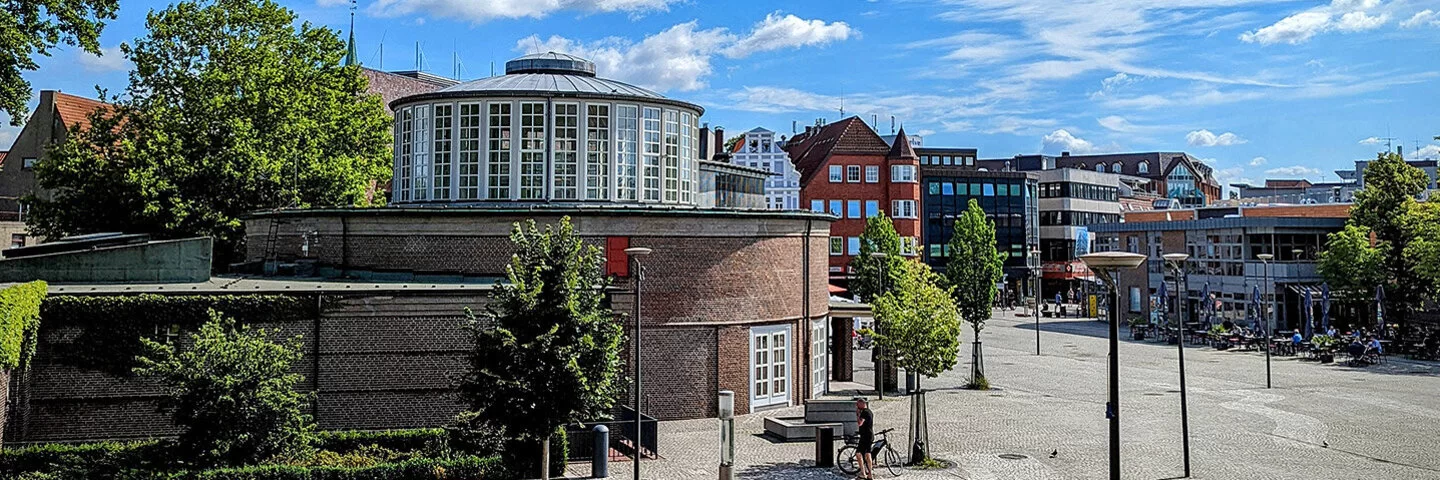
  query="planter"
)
[
  {"x": 1327, "y": 358},
  {"x": 1172, "y": 340},
  {"x": 1137, "y": 334}
]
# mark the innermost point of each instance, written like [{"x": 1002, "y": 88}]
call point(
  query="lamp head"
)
[
  {"x": 1265, "y": 257},
  {"x": 1176, "y": 257},
  {"x": 637, "y": 251},
  {"x": 1112, "y": 260}
]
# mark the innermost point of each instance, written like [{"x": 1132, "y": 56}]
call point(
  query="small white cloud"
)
[
  {"x": 957, "y": 126},
  {"x": 110, "y": 60},
  {"x": 1294, "y": 29},
  {"x": 1116, "y": 123},
  {"x": 925, "y": 132},
  {"x": 1257, "y": 161},
  {"x": 675, "y": 59},
  {"x": 1227, "y": 175},
  {"x": 485, "y": 10},
  {"x": 1293, "y": 171},
  {"x": 1428, "y": 152},
  {"x": 1340, "y": 15},
  {"x": 778, "y": 32},
  {"x": 1205, "y": 138},
  {"x": 1423, "y": 18},
  {"x": 1062, "y": 141},
  {"x": 1361, "y": 21},
  {"x": 331, "y": 3},
  {"x": 1372, "y": 141}
]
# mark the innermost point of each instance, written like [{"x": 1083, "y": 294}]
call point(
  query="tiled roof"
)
[
  {"x": 2, "y": 157},
  {"x": 73, "y": 110},
  {"x": 390, "y": 86},
  {"x": 1269, "y": 183},
  {"x": 901, "y": 148},
  {"x": 851, "y": 136}
]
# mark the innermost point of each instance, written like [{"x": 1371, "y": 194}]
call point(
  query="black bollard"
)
[
  {"x": 600, "y": 462},
  {"x": 824, "y": 447}
]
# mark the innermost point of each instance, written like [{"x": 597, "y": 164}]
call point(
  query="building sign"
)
[{"x": 1071, "y": 270}]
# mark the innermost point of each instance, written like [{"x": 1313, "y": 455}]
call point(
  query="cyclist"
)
[{"x": 865, "y": 428}]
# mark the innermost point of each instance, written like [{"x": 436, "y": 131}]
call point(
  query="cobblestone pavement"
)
[{"x": 1318, "y": 422}]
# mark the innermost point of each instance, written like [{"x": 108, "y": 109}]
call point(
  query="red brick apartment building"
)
[{"x": 848, "y": 171}]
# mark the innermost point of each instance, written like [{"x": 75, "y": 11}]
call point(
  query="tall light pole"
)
[
  {"x": 878, "y": 361},
  {"x": 1177, "y": 262},
  {"x": 1265, "y": 315},
  {"x": 1107, "y": 266},
  {"x": 1035, "y": 254},
  {"x": 639, "y": 271}
]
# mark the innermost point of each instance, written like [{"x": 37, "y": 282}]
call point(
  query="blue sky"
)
[{"x": 1277, "y": 89}]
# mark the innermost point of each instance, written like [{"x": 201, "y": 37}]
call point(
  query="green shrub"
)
[
  {"x": 459, "y": 468},
  {"x": 522, "y": 457},
  {"x": 82, "y": 461},
  {"x": 427, "y": 440},
  {"x": 20, "y": 323}
]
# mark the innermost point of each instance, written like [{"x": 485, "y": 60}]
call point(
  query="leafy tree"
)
[
  {"x": 232, "y": 107},
  {"x": 547, "y": 350},
  {"x": 1422, "y": 223},
  {"x": 33, "y": 27},
  {"x": 920, "y": 330},
  {"x": 974, "y": 268},
  {"x": 1383, "y": 206},
  {"x": 879, "y": 236},
  {"x": 232, "y": 393},
  {"x": 1351, "y": 264}
]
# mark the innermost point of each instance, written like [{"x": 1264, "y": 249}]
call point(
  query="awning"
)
[{"x": 835, "y": 289}]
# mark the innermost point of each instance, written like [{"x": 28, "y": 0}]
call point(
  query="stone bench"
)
[{"x": 836, "y": 414}]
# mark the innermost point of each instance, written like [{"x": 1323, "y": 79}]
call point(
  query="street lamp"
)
[
  {"x": 1177, "y": 262},
  {"x": 1107, "y": 266},
  {"x": 1035, "y": 255},
  {"x": 1265, "y": 314},
  {"x": 878, "y": 360},
  {"x": 635, "y": 253}
]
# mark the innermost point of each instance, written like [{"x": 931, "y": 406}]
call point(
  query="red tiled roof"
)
[
  {"x": 851, "y": 136},
  {"x": 73, "y": 110},
  {"x": 901, "y": 148},
  {"x": 1302, "y": 183}
]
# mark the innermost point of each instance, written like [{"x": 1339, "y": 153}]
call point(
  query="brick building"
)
[
  {"x": 848, "y": 171},
  {"x": 1175, "y": 175}
]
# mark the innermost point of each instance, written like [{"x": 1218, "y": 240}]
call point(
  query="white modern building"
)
[{"x": 758, "y": 148}]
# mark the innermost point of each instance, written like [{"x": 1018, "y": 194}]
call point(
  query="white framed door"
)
[
  {"x": 769, "y": 366},
  {"x": 819, "y": 357}
]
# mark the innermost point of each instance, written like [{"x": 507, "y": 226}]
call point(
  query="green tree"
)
[
  {"x": 920, "y": 330},
  {"x": 879, "y": 236},
  {"x": 232, "y": 393},
  {"x": 1384, "y": 206},
  {"x": 33, "y": 27},
  {"x": 232, "y": 107},
  {"x": 547, "y": 350},
  {"x": 1422, "y": 253},
  {"x": 974, "y": 269},
  {"x": 1351, "y": 264}
]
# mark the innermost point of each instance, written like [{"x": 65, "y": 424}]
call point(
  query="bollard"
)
[
  {"x": 600, "y": 462},
  {"x": 824, "y": 447}
]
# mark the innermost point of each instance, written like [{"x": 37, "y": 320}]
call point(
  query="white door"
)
[
  {"x": 819, "y": 357},
  {"x": 769, "y": 366}
]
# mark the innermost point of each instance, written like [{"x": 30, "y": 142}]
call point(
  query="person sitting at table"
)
[
  {"x": 1330, "y": 331},
  {"x": 1356, "y": 351},
  {"x": 1228, "y": 325},
  {"x": 1297, "y": 339},
  {"x": 1374, "y": 346}
]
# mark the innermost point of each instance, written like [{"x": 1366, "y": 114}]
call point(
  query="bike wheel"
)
[
  {"x": 892, "y": 461},
  {"x": 846, "y": 460}
]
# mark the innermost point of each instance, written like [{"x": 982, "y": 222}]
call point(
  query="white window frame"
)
[
  {"x": 854, "y": 209},
  {"x": 778, "y": 360},
  {"x": 902, "y": 173},
  {"x": 819, "y": 357},
  {"x": 852, "y": 174},
  {"x": 902, "y": 209},
  {"x": 852, "y": 246},
  {"x": 872, "y": 174},
  {"x": 817, "y": 203},
  {"x": 837, "y": 174},
  {"x": 835, "y": 252}
]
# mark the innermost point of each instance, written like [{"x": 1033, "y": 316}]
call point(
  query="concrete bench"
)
[{"x": 836, "y": 414}]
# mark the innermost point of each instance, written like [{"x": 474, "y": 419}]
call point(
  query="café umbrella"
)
[
  {"x": 1308, "y": 313},
  {"x": 1325, "y": 307},
  {"x": 1380, "y": 308},
  {"x": 1206, "y": 304},
  {"x": 1259, "y": 316}
]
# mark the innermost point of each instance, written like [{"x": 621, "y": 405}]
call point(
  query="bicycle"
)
[{"x": 882, "y": 451}]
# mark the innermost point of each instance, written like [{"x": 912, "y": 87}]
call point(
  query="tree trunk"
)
[{"x": 545, "y": 459}]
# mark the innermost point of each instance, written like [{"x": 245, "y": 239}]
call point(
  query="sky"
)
[{"x": 1257, "y": 88}]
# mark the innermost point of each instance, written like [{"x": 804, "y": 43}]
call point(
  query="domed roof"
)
[{"x": 551, "y": 62}]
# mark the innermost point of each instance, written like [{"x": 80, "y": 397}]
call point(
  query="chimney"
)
[
  {"x": 706, "y": 152},
  {"x": 1400, "y": 150},
  {"x": 1064, "y": 154},
  {"x": 807, "y": 130},
  {"x": 719, "y": 141}
]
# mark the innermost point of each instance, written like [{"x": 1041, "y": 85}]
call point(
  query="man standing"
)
[{"x": 865, "y": 429}]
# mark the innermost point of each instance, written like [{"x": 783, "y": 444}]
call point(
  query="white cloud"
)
[
  {"x": 1205, "y": 138},
  {"x": 110, "y": 60},
  {"x": 924, "y": 132},
  {"x": 1340, "y": 15},
  {"x": 777, "y": 32},
  {"x": 1293, "y": 171},
  {"x": 331, "y": 3},
  {"x": 1257, "y": 161},
  {"x": 1062, "y": 141},
  {"x": 1017, "y": 125},
  {"x": 950, "y": 113},
  {"x": 1226, "y": 175},
  {"x": 675, "y": 59},
  {"x": 1426, "y": 17},
  {"x": 1427, "y": 152},
  {"x": 1372, "y": 141},
  {"x": 957, "y": 126},
  {"x": 478, "y": 11},
  {"x": 1116, "y": 123}
]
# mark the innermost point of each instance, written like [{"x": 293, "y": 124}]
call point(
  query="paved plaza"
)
[{"x": 1318, "y": 422}]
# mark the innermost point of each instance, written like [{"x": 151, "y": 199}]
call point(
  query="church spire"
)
[{"x": 350, "y": 50}]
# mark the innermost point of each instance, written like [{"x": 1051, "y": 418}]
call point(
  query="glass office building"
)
[{"x": 1010, "y": 199}]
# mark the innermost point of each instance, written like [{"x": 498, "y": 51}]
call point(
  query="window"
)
[
  {"x": 935, "y": 250},
  {"x": 837, "y": 208},
  {"x": 903, "y": 208},
  {"x": 421, "y": 152},
  {"x": 909, "y": 246},
  {"x": 948, "y": 188},
  {"x": 566, "y": 182},
  {"x": 852, "y": 173},
  {"x": 651, "y": 156},
  {"x": 27, "y": 163},
  {"x": 532, "y": 150},
  {"x": 689, "y": 166},
  {"x": 443, "y": 138},
  {"x": 1099, "y": 167},
  {"x": 770, "y": 366},
  {"x": 1134, "y": 299},
  {"x": 949, "y": 160},
  {"x": 498, "y": 167},
  {"x": 902, "y": 173},
  {"x": 872, "y": 174},
  {"x": 627, "y": 141},
  {"x": 837, "y": 246},
  {"x": 597, "y": 152},
  {"x": 819, "y": 361},
  {"x": 989, "y": 190},
  {"x": 1116, "y": 167},
  {"x": 672, "y": 156},
  {"x": 837, "y": 174},
  {"x": 852, "y": 246},
  {"x": 872, "y": 208},
  {"x": 406, "y": 126},
  {"x": 17, "y": 240},
  {"x": 934, "y": 188},
  {"x": 470, "y": 118},
  {"x": 817, "y": 206},
  {"x": 1143, "y": 168},
  {"x": 853, "y": 206}
]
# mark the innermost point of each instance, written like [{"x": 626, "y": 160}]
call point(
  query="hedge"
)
[
  {"x": 20, "y": 322},
  {"x": 466, "y": 468},
  {"x": 412, "y": 440},
  {"x": 111, "y": 326}
]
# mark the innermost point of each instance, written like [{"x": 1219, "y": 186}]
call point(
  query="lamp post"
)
[
  {"x": 878, "y": 359},
  {"x": 1177, "y": 262},
  {"x": 1107, "y": 266},
  {"x": 1265, "y": 315},
  {"x": 635, "y": 253},
  {"x": 1035, "y": 255}
]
